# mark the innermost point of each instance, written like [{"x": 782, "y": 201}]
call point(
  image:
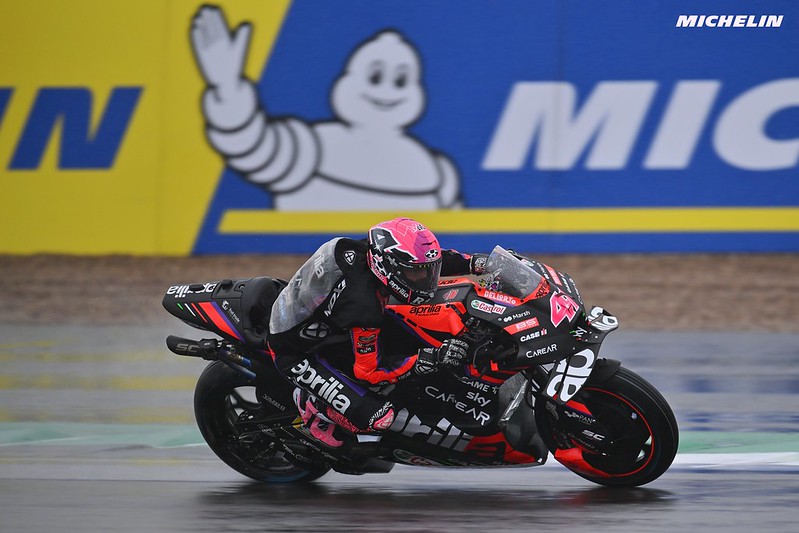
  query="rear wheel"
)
[
  {"x": 639, "y": 423},
  {"x": 225, "y": 406}
]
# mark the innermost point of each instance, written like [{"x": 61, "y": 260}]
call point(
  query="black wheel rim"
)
[{"x": 239, "y": 428}]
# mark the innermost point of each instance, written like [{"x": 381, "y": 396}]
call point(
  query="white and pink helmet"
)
[{"x": 406, "y": 257}]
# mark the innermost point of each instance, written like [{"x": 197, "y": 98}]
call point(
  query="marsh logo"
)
[
  {"x": 70, "y": 109},
  {"x": 729, "y": 21}
]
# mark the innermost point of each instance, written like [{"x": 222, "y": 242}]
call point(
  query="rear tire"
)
[
  {"x": 639, "y": 421},
  {"x": 223, "y": 401}
]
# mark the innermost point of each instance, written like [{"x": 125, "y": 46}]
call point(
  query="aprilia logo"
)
[
  {"x": 180, "y": 291},
  {"x": 570, "y": 375},
  {"x": 328, "y": 389}
]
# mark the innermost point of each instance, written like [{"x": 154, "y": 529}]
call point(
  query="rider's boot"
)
[
  {"x": 381, "y": 421},
  {"x": 321, "y": 427}
]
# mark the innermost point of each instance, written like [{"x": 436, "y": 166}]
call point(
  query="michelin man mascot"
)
[{"x": 363, "y": 160}]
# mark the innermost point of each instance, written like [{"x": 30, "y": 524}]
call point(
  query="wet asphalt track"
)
[{"x": 96, "y": 434}]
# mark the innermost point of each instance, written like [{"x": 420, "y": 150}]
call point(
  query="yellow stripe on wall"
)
[{"x": 619, "y": 220}]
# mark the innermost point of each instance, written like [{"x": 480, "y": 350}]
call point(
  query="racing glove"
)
[{"x": 450, "y": 354}]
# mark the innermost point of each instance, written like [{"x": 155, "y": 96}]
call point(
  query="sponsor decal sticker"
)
[
  {"x": 500, "y": 297},
  {"x": 533, "y": 335},
  {"x": 486, "y": 307},
  {"x": 541, "y": 351},
  {"x": 451, "y": 294},
  {"x": 329, "y": 389},
  {"x": 426, "y": 310},
  {"x": 522, "y": 326},
  {"x": 315, "y": 331}
]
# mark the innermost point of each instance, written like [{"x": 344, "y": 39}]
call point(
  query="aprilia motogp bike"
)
[{"x": 534, "y": 385}]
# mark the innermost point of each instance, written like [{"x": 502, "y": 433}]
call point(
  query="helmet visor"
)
[{"x": 420, "y": 277}]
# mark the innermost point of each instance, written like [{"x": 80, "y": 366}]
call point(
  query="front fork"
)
[
  {"x": 552, "y": 391},
  {"x": 576, "y": 423}
]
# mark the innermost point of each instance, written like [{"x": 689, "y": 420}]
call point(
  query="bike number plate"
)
[{"x": 569, "y": 375}]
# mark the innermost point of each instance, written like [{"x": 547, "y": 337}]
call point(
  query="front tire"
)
[
  {"x": 224, "y": 402},
  {"x": 640, "y": 425}
]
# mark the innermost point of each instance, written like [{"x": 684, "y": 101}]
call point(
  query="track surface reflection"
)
[{"x": 96, "y": 434}]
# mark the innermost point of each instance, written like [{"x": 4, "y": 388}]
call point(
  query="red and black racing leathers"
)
[{"x": 334, "y": 300}]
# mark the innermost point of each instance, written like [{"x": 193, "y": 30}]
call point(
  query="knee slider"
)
[{"x": 383, "y": 417}]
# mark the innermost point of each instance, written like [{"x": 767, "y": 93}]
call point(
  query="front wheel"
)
[
  {"x": 640, "y": 424},
  {"x": 225, "y": 404}
]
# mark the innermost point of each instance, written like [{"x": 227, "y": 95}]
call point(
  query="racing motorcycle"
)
[{"x": 534, "y": 384}]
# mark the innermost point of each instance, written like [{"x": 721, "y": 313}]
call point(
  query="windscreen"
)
[{"x": 508, "y": 274}]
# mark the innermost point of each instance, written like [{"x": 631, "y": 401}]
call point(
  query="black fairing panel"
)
[{"x": 237, "y": 310}]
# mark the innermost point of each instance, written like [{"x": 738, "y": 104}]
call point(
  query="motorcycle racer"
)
[{"x": 340, "y": 294}]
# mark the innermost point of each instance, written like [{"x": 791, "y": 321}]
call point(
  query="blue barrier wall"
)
[{"x": 554, "y": 126}]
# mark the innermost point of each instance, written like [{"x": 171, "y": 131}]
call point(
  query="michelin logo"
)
[
  {"x": 729, "y": 21},
  {"x": 545, "y": 117},
  {"x": 362, "y": 159}
]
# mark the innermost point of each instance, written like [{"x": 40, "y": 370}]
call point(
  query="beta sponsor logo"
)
[
  {"x": 500, "y": 297},
  {"x": 329, "y": 389},
  {"x": 486, "y": 307},
  {"x": 533, "y": 335},
  {"x": 522, "y": 326},
  {"x": 180, "y": 291},
  {"x": 541, "y": 351},
  {"x": 729, "y": 21},
  {"x": 424, "y": 310}
]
